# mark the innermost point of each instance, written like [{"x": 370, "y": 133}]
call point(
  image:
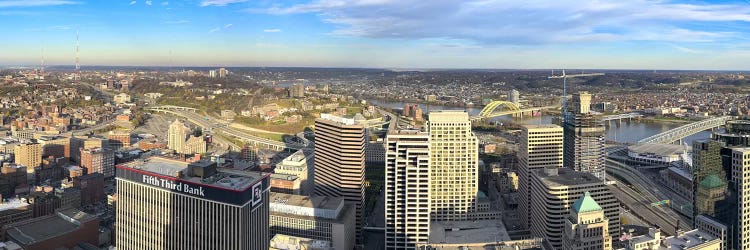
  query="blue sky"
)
[{"x": 621, "y": 34}]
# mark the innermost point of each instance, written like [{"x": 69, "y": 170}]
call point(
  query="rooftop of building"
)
[
  {"x": 296, "y": 157},
  {"x": 657, "y": 149},
  {"x": 542, "y": 126},
  {"x": 288, "y": 177},
  {"x": 12, "y": 203},
  {"x": 223, "y": 178},
  {"x": 287, "y": 242},
  {"x": 448, "y": 116},
  {"x": 586, "y": 204},
  {"x": 477, "y": 231},
  {"x": 38, "y": 229},
  {"x": 558, "y": 177},
  {"x": 341, "y": 120},
  {"x": 687, "y": 239},
  {"x": 320, "y": 202}
]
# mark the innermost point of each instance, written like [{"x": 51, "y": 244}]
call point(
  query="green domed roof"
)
[
  {"x": 712, "y": 181},
  {"x": 586, "y": 204}
]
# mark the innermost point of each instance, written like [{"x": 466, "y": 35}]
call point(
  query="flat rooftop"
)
[
  {"x": 448, "y": 116},
  {"x": 224, "y": 178},
  {"x": 13, "y": 203},
  {"x": 479, "y": 231},
  {"x": 319, "y": 202},
  {"x": 688, "y": 239},
  {"x": 42, "y": 228},
  {"x": 564, "y": 177},
  {"x": 541, "y": 126},
  {"x": 657, "y": 149}
]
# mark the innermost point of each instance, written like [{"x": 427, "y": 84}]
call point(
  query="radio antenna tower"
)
[
  {"x": 42, "y": 68},
  {"x": 78, "y": 60}
]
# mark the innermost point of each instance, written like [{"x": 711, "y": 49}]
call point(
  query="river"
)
[{"x": 626, "y": 132}]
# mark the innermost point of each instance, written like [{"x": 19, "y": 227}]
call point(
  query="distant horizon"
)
[{"x": 64, "y": 67}]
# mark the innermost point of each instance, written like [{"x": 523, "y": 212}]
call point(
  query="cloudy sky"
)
[{"x": 622, "y": 34}]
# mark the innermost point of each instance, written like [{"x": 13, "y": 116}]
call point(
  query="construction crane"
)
[{"x": 565, "y": 86}]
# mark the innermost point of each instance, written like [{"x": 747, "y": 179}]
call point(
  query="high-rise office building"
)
[
  {"x": 586, "y": 226},
  {"x": 554, "y": 192},
  {"x": 515, "y": 97},
  {"x": 741, "y": 176},
  {"x": 584, "y": 138},
  {"x": 714, "y": 195},
  {"x": 407, "y": 189},
  {"x": 454, "y": 171},
  {"x": 29, "y": 155},
  {"x": 98, "y": 160},
  {"x": 541, "y": 146},
  {"x": 340, "y": 161},
  {"x": 176, "y": 136},
  {"x": 169, "y": 204}
]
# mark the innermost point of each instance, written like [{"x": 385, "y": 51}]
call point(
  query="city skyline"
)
[{"x": 691, "y": 35}]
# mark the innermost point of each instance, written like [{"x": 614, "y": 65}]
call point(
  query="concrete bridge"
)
[
  {"x": 607, "y": 118},
  {"x": 686, "y": 130}
]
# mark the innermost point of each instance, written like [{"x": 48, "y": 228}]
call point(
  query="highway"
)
[
  {"x": 641, "y": 208},
  {"x": 214, "y": 125}
]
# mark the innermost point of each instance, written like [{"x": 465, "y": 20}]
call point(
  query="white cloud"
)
[
  {"x": 227, "y": 26},
  {"x": 526, "y": 22},
  {"x": 164, "y": 3},
  {"x": 220, "y": 2},
  {"x": 271, "y": 30},
  {"x": 34, "y": 3},
  {"x": 214, "y": 30},
  {"x": 133, "y": 2},
  {"x": 177, "y": 22},
  {"x": 148, "y": 2}
]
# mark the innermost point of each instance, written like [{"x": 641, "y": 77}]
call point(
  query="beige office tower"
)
[
  {"x": 29, "y": 155},
  {"x": 454, "y": 174},
  {"x": 407, "y": 189},
  {"x": 340, "y": 161},
  {"x": 586, "y": 227},
  {"x": 541, "y": 147},
  {"x": 554, "y": 192},
  {"x": 741, "y": 175},
  {"x": 176, "y": 136},
  {"x": 581, "y": 103}
]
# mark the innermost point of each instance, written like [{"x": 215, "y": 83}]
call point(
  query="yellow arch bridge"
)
[{"x": 502, "y": 108}]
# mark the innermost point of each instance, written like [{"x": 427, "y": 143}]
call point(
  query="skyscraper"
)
[
  {"x": 454, "y": 165},
  {"x": 340, "y": 161},
  {"x": 168, "y": 204},
  {"x": 541, "y": 146},
  {"x": 584, "y": 138},
  {"x": 407, "y": 189},
  {"x": 586, "y": 226},
  {"x": 741, "y": 169},
  {"x": 715, "y": 198}
]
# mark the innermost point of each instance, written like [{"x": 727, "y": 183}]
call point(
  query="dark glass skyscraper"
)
[{"x": 584, "y": 138}]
